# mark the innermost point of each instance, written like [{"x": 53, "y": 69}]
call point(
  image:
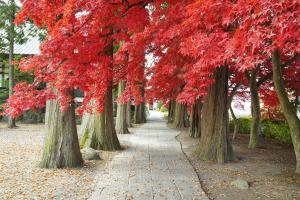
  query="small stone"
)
[
  {"x": 240, "y": 184},
  {"x": 90, "y": 154}
]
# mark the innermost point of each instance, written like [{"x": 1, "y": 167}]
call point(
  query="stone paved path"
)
[{"x": 152, "y": 168}]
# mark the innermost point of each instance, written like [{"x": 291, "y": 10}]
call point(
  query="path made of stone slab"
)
[{"x": 153, "y": 167}]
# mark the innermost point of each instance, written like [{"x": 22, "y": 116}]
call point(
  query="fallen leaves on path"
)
[{"x": 21, "y": 178}]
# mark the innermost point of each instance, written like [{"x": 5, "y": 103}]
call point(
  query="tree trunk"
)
[
  {"x": 90, "y": 130},
  {"x": 98, "y": 130},
  {"x": 2, "y": 74},
  {"x": 236, "y": 124},
  {"x": 286, "y": 106},
  {"x": 128, "y": 114},
  {"x": 215, "y": 135},
  {"x": 296, "y": 101},
  {"x": 121, "y": 121},
  {"x": 229, "y": 102},
  {"x": 171, "y": 113},
  {"x": 255, "y": 130},
  {"x": 11, "y": 37},
  {"x": 195, "y": 120},
  {"x": 180, "y": 116},
  {"x": 61, "y": 146},
  {"x": 139, "y": 114}
]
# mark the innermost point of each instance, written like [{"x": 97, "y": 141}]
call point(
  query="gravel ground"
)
[
  {"x": 20, "y": 177},
  {"x": 268, "y": 170}
]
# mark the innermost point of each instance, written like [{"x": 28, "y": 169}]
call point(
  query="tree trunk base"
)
[
  {"x": 288, "y": 109},
  {"x": 180, "y": 117},
  {"x": 61, "y": 146},
  {"x": 98, "y": 129},
  {"x": 236, "y": 130},
  {"x": 121, "y": 120},
  {"x": 195, "y": 120},
  {"x": 215, "y": 142},
  {"x": 11, "y": 123},
  {"x": 139, "y": 114}
]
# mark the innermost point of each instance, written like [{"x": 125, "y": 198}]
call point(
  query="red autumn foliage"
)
[{"x": 186, "y": 41}]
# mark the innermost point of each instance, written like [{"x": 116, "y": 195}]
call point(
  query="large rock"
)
[
  {"x": 240, "y": 183},
  {"x": 90, "y": 154}
]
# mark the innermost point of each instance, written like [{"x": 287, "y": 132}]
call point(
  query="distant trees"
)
[{"x": 11, "y": 35}]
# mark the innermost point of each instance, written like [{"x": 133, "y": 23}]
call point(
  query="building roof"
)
[{"x": 30, "y": 47}]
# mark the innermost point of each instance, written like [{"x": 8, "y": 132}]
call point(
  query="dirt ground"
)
[
  {"x": 269, "y": 171},
  {"x": 20, "y": 177}
]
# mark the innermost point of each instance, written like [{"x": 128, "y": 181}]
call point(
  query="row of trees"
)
[{"x": 203, "y": 54}]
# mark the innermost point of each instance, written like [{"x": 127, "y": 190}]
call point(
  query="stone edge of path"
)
[{"x": 191, "y": 163}]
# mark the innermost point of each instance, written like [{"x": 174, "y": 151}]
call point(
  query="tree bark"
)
[
  {"x": 180, "y": 116},
  {"x": 215, "y": 142},
  {"x": 171, "y": 113},
  {"x": 121, "y": 121},
  {"x": 11, "y": 37},
  {"x": 235, "y": 120},
  {"x": 195, "y": 120},
  {"x": 236, "y": 124},
  {"x": 286, "y": 106},
  {"x": 98, "y": 130},
  {"x": 128, "y": 114},
  {"x": 2, "y": 74},
  {"x": 255, "y": 130},
  {"x": 61, "y": 146},
  {"x": 139, "y": 114}
]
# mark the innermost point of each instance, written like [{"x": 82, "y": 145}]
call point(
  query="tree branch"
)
[
  {"x": 269, "y": 75},
  {"x": 290, "y": 61},
  {"x": 247, "y": 75}
]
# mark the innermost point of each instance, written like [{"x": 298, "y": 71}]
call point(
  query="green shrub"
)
[
  {"x": 278, "y": 130},
  {"x": 163, "y": 109},
  {"x": 245, "y": 124},
  {"x": 271, "y": 129}
]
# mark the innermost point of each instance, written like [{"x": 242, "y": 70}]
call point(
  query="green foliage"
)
[
  {"x": 84, "y": 139},
  {"x": 7, "y": 10},
  {"x": 278, "y": 130},
  {"x": 19, "y": 77},
  {"x": 159, "y": 105},
  {"x": 163, "y": 109},
  {"x": 271, "y": 129},
  {"x": 164, "y": 5},
  {"x": 245, "y": 124}
]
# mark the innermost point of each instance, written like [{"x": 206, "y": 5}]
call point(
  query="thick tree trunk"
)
[
  {"x": 195, "y": 120},
  {"x": 255, "y": 130},
  {"x": 92, "y": 126},
  {"x": 98, "y": 130},
  {"x": 171, "y": 113},
  {"x": 61, "y": 146},
  {"x": 180, "y": 116},
  {"x": 11, "y": 37},
  {"x": 121, "y": 121},
  {"x": 215, "y": 135},
  {"x": 139, "y": 114},
  {"x": 236, "y": 124},
  {"x": 286, "y": 106}
]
